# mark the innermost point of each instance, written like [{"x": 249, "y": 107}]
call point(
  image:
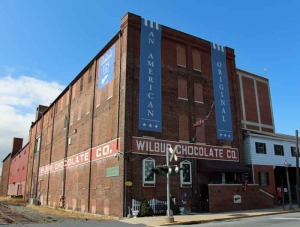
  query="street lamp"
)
[{"x": 287, "y": 165}]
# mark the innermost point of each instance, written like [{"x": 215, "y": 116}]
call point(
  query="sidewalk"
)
[{"x": 205, "y": 217}]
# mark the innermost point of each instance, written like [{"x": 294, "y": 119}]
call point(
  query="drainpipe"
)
[
  {"x": 27, "y": 175},
  {"x": 39, "y": 157},
  {"x": 118, "y": 123},
  {"x": 50, "y": 158},
  {"x": 67, "y": 122},
  {"x": 34, "y": 147},
  {"x": 92, "y": 135}
]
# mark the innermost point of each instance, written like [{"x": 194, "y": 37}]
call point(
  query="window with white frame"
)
[
  {"x": 148, "y": 174},
  {"x": 186, "y": 174}
]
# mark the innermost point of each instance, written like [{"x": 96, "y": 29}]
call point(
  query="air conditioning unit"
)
[{"x": 33, "y": 201}]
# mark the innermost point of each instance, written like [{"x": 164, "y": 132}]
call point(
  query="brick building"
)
[
  {"x": 150, "y": 88},
  {"x": 16, "y": 147},
  {"x": 18, "y": 172}
]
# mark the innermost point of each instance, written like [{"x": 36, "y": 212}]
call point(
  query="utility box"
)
[{"x": 34, "y": 201}]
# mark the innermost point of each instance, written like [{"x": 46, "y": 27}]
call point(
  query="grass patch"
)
[
  {"x": 17, "y": 201},
  {"x": 13, "y": 200}
]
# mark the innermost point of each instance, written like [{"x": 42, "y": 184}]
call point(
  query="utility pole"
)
[
  {"x": 297, "y": 170},
  {"x": 287, "y": 165}
]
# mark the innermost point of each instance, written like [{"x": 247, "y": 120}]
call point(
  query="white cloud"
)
[{"x": 19, "y": 98}]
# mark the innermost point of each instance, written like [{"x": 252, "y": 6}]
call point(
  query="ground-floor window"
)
[
  {"x": 148, "y": 174},
  {"x": 263, "y": 178},
  {"x": 186, "y": 174}
]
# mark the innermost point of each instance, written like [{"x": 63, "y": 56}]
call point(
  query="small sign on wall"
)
[
  {"x": 237, "y": 199},
  {"x": 113, "y": 171}
]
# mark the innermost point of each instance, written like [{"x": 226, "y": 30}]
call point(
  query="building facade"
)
[
  {"x": 18, "y": 172},
  {"x": 151, "y": 88},
  {"x": 271, "y": 156}
]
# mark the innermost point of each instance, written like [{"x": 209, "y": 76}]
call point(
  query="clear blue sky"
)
[{"x": 51, "y": 41}]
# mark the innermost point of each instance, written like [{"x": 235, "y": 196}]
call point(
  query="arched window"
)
[
  {"x": 148, "y": 174},
  {"x": 186, "y": 174}
]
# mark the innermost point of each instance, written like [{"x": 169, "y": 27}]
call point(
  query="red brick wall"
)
[
  {"x": 18, "y": 171},
  {"x": 257, "y": 103},
  {"x": 221, "y": 198},
  {"x": 271, "y": 188},
  {"x": 5, "y": 175},
  {"x": 172, "y": 107}
]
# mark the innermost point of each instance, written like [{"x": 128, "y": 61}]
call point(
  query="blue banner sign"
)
[
  {"x": 150, "y": 77},
  {"x": 221, "y": 93},
  {"x": 106, "y": 67}
]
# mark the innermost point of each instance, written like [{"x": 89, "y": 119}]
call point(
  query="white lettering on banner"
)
[
  {"x": 221, "y": 89},
  {"x": 151, "y": 146}
]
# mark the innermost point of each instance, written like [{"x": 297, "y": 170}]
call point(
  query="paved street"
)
[{"x": 280, "y": 220}]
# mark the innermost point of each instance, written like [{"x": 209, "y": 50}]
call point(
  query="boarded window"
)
[
  {"x": 182, "y": 89},
  {"x": 196, "y": 60},
  {"x": 81, "y": 84},
  {"x": 73, "y": 91},
  {"x": 110, "y": 89},
  {"x": 181, "y": 57},
  {"x": 198, "y": 92},
  {"x": 263, "y": 178},
  {"x": 79, "y": 112},
  {"x": 183, "y": 128},
  {"x": 90, "y": 76}
]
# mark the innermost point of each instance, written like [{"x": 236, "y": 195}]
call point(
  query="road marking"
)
[{"x": 286, "y": 218}]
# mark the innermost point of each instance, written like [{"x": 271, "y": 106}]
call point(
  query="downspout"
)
[
  {"x": 66, "y": 122},
  {"x": 27, "y": 175},
  {"x": 50, "y": 158},
  {"x": 92, "y": 135},
  {"x": 118, "y": 124},
  {"x": 31, "y": 176},
  {"x": 39, "y": 157}
]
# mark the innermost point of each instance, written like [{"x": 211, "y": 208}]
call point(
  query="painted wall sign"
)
[
  {"x": 221, "y": 93},
  {"x": 106, "y": 67},
  {"x": 100, "y": 152},
  {"x": 150, "y": 77},
  {"x": 188, "y": 150}
]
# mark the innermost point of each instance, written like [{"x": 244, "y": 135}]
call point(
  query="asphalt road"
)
[{"x": 279, "y": 220}]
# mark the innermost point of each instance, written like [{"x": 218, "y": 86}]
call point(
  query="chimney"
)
[
  {"x": 39, "y": 111},
  {"x": 17, "y": 145}
]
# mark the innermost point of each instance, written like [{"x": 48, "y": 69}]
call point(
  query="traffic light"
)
[{"x": 163, "y": 170}]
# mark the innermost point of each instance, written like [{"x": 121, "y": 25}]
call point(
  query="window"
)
[
  {"x": 263, "y": 178},
  {"x": 182, "y": 89},
  {"x": 293, "y": 151},
  {"x": 181, "y": 58},
  {"x": 186, "y": 174},
  {"x": 198, "y": 93},
  {"x": 148, "y": 175},
  {"x": 37, "y": 144},
  {"x": 79, "y": 112},
  {"x": 278, "y": 149},
  {"x": 90, "y": 76},
  {"x": 81, "y": 84},
  {"x": 260, "y": 148},
  {"x": 183, "y": 129},
  {"x": 196, "y": 60}
]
